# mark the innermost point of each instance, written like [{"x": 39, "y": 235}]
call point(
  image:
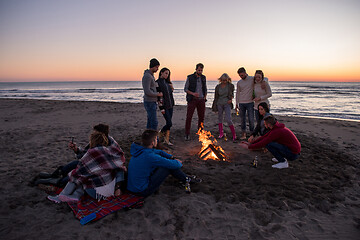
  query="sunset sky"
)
[{"x": 76, "y": 40}]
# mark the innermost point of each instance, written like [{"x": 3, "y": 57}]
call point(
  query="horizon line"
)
[{"x": 211, "y": 80}]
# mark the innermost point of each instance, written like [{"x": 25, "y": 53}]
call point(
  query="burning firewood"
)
[{"x": 210, "y": 149}]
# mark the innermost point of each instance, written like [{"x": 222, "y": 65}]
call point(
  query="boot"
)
[
  {"x": 232, "y": 128},
  {"x": 161, "y": 146},
  {"x": 71, "y": 193},
  {"x": 69, "y": 188},
  {"x": 47, "y": 181},
  {"x": 221, "y": 131},
  {"x": 57, "y": 173},
  {"x": 44, "y": 175},
  {"x": 161, "y": 134},
  {"x": 167, "y": 138}
]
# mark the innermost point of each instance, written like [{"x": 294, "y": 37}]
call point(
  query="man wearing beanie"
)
[{"x": 150, "y": 94}]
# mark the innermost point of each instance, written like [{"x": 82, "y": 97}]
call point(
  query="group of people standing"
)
[
  {"x": 252, "y": 102},
  {"x": 250, "y": 92}
]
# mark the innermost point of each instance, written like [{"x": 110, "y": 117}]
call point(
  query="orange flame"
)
[{"x": 206, "y": 138}]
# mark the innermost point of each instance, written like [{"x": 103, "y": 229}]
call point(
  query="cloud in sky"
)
[{"x": 114, "y": 40}]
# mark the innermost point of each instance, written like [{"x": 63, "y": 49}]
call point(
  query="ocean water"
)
[{"x": 308, "y": 99}]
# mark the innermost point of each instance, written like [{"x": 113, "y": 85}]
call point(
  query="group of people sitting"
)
[{"x": 100, "y": 169}]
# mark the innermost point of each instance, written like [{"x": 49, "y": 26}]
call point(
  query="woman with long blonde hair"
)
[{"x": 224, "y": 94}]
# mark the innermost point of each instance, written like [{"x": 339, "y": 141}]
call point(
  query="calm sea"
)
[{"x": 310, "y": 99}]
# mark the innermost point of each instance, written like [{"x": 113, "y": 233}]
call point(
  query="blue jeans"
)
[
  {"x": 158, "y": 176},
  {"x": 280, "y": 152},
  {"x": 227, "y": 109},
  {"x": 168, "y": 118},
  {"x": 152, "y": 122},
  {"x": 249, "y": 108}
]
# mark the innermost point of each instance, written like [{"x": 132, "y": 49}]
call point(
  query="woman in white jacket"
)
[{"x": 261, "y": 93}]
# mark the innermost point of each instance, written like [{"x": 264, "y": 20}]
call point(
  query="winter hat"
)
[{"x": 154, "y": 62}]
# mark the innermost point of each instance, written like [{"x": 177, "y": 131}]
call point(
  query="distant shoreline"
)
[
  {"x": 139, "y": 80},
  {"x": 209, "y": 109}
]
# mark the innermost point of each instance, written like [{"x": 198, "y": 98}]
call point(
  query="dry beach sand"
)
[{"x": 317, "y": 197}]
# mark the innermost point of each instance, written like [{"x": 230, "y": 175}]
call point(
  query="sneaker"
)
[
  {"x": 170, "y": 143},
  {"x": 54, "y": 199},
  {"x": 194, "y": 179},
  {"x": 281, "y": 165},
  {"x": 187, "y": 138},
  {"x": 187, "y": 185},
  {"x": 243, "y": 136},
  {"x": 274, "y": 160}
]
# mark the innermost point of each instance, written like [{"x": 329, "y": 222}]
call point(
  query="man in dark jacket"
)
[
  {"x": 280, "y": 141},
  {"x": 196, "y": 91}
]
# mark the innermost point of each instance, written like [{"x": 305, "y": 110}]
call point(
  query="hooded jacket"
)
[
  {"x": 281, "y": 135},
  {"x": 143, "y": 162}
]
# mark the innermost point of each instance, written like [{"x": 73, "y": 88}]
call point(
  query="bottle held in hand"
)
[{"x": 161, "y": 105}]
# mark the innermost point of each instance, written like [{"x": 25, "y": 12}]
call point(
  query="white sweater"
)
[
  {"x": 264, "y": 94},
  {"x": 244, "y": 90}
]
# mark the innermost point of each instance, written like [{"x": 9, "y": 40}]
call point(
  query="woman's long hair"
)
[
  {"x": 261, "y": 73},
  {"x": 163, "y": 70},
  {"x": 98, "y": 139},
  {"x": 265, "y": 107}
]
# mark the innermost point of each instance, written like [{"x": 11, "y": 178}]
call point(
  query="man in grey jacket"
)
[{"x": 150, "y": 94}]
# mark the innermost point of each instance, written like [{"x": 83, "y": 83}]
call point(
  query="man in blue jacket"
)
[{"x": 149, "y": 167}]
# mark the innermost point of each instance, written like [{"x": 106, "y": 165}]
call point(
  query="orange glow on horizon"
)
[{"x": 117, "y": 72}]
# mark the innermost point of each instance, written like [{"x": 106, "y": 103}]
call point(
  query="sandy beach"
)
[{"x": 317, "y": 197}]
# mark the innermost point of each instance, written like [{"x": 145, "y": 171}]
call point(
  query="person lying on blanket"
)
[
  {"x": 60, "y": 176},
  {"x": 149, "y": 167},
  {"x": 97, "y": 172}
]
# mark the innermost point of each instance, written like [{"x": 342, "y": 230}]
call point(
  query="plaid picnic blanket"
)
[
  {"x": 98, "y": 166},
  {"x": 88, "y": 206},
  {"x": 100, "y": 209}
]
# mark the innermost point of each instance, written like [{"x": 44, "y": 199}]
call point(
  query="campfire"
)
[{"x": 210, "y": 149}]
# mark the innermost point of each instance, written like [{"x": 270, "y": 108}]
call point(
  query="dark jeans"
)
[
  {"x": 257, "y": 116},
  {"x": 198, "y": 104},
  {"x": 158, "y": 176},
  {"x": 281, "y": 152},
  {"x": 168, "y": 118},
  {"x": 152, "y": 122},
  {"x": 65, "y": 170},
  {"x": 249, "y": 108}
]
